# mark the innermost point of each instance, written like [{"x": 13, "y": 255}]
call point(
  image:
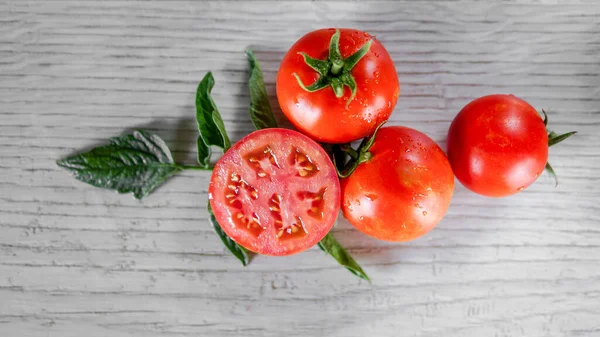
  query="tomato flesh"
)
[
  {"x": 275, "y": 192},
  {"x": 403, "y": 191},
  {"x": 320, "y": 114},
  {"x": 497, "y": 145}
]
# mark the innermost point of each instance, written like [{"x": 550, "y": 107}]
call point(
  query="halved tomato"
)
[{"x": 275, "y": 192}]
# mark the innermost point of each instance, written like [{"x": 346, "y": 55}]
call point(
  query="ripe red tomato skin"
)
[
  {"x": 323, "y": 116},
  {"x": 231, "y": 163},
  {"x": 403, "y": 191},
  {"x": 497, "y": 145}
]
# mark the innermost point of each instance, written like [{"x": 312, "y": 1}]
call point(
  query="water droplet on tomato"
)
[
  {"x": 361, "y": 218},
  {"x": 424, "y": 213},
  {"x": 521, "y": 188},
  {"x": 371, "y": 196},
  {"x": 389, "y": 104},
  {"x": 297, "y": 105}
]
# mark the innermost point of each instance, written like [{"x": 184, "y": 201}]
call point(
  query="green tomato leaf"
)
[
  {"x": 204, "y": 153},
  {"x": 236, "y": 250},
  {"x": 332, "y": 247},
  {"x": 210, "y": 124},
  {"x": 260, "y": 108},
  {"x": 218, "y": 122},
  {"x": 136, "y": 163}
]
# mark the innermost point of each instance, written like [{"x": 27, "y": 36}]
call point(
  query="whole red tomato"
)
[
  {"x": 275, "y": 192},
  {"x": 497, "y": 145},
  {"x": 337, "y": 92},
  {"x": 403, "y": 190}
]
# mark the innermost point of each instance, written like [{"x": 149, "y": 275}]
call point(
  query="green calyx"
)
[
  {"x": 553, "y": 139},
  {"x": 335, "y": 71},
  {"x": 346, "y": 159}
]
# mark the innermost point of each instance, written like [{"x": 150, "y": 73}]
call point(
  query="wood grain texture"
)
[{"x": 75, "y": 260}]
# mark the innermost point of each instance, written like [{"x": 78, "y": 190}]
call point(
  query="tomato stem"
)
[
  {"x": 335, "y": 71},
  {"x": 336, "y": 67},
  {"x": 350, "y": 151},
  {"x": 364, "y": 157},
  {"x": 550, "y": 171},
  {"x": 195, "y": 168},
  {"x": 357, "y": 157},
  {"x": 553, "y": 139}
]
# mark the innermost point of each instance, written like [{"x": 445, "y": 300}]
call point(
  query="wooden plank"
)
[{"x": 78, "y": 260}]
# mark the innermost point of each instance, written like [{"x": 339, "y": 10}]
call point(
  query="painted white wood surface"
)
[{"x": 78, "y": 261}]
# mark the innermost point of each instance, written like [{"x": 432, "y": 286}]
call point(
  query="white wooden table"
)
[{"x": 80, "y": 261}]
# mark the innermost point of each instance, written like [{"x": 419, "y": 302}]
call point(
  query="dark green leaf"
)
[
  {"x": 136, "y": 163},
  {"x": 238, "y": 251},
  {"x": 260, "y": 108},
  {"x": 550, "y": 171},
  {"x": 204, "y": 153},
  {"x": 218, "y": 121},
  {"x": 330, "y": 245},
  {"x": 554, "y": 139},
  {"x": 210, "y": 124}
]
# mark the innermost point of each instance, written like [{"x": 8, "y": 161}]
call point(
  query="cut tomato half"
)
[{"x": 275, "y": 192}]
